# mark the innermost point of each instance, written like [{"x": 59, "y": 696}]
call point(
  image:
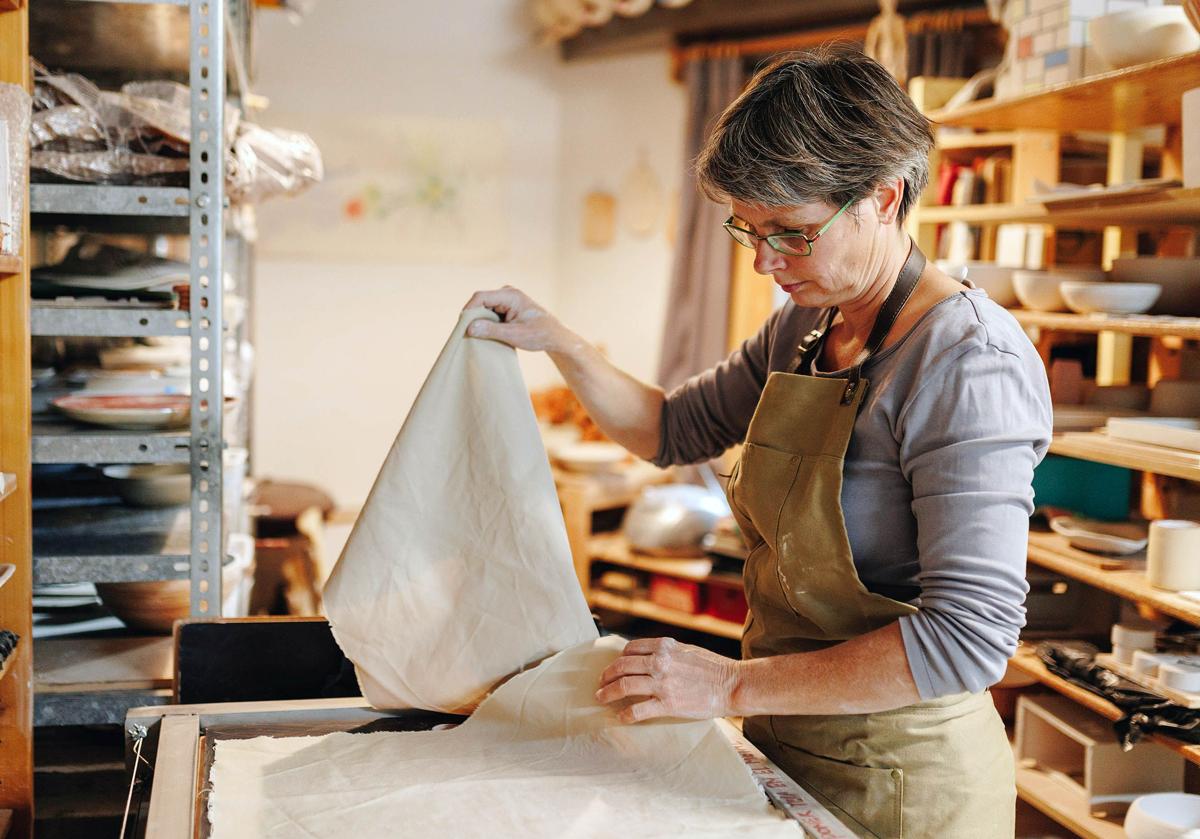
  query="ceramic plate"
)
[
  {"x": 140, "y": 413},
  {"x": 1169, "y": 432},
  {"x": 1116, "y": 538}
]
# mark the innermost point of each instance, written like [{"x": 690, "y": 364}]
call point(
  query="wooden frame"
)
[
  {"x": 16, "y": 547},
  {"x": 181, "y": 739}
]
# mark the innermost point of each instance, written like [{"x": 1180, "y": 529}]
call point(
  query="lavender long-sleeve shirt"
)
[{"x": 936, "y": 490}]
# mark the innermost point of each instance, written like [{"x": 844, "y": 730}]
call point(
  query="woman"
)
[{"x": 892, "y": 420}]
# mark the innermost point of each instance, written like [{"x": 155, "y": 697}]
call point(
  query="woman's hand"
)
[
  {"x": 524, "y": 324},
  {"x": 669, "y": 679}
]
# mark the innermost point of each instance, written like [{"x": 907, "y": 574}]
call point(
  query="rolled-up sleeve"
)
[
  {"x": 970, "y": 438},
  {"x": 711, "y": 411}
]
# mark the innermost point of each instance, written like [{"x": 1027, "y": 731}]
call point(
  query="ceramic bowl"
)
[
  {"x": 152, "y": 484},
  {"x": 1164, "y": 815},
  {"x": 996, "y": 280},
  {"x": 1178, "y": 276},
  {"x": 1039, "y": 290},
  {"x": 1124, "y": 39},
  {"x": 1110, "y": 298}
]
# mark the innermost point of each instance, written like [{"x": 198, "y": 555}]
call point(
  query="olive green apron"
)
[{"x": 940, "y": 768}]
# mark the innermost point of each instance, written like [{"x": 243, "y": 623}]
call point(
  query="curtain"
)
[{"x": 698, "y": 300}]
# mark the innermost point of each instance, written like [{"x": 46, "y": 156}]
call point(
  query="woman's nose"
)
[{"x": 767, "y": 260}]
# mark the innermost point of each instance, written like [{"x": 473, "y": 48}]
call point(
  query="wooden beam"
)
[
  {"x": 707, "y": 20},
  {"x": 173, "y": 796}
]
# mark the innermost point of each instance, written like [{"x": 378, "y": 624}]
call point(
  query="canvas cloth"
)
[
  {"x": 458, "y": 573},
  {"x": 539, "y": 758}
]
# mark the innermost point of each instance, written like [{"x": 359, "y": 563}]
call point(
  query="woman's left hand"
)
[{"x": 669, "y": 679}]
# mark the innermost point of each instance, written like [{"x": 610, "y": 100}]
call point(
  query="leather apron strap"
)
[{"x": 906, "y": 282}]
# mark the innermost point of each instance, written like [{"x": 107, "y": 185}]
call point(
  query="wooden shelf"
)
[
  {"x": 654, "y": 612},
  {"x": 1121, "y": 100},
  {"x": 1158, "y": 209},
  {"x": 612, "y": 548},
  {"x": 1147, "y": 326},
  {"x": 1050, "y": 551},
  {"x": 1050, "y": 796},
  {"x": 9, "y": 264},
  {"x": 1101, "y": 448},
  {"x": 1028, "y": 663}
]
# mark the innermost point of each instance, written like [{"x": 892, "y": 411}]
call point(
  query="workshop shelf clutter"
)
[{"x": 229, "y": 255}]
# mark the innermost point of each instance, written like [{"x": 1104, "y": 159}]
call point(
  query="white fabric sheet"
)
[
  {"x": 539, "y": 758},
  {"x": 458, "y": 572}
]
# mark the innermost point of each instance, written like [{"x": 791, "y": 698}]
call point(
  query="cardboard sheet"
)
[
  {"x": 458, "y": 573},
  {"x": 539, "y": 758}
]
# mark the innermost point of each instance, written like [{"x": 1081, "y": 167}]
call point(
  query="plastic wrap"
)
[
  {"x": 14, "y": 145},
  {"x": 119, "y": 166},
  {"x": 142, "y": 134},
  {"x": 270, "y": 162},
  {"x": 1143, "y": 712}
]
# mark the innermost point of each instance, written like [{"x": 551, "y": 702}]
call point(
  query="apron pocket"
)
[
  {"x": 868, "y": 799},
  {"x": 764, "y": 481}
]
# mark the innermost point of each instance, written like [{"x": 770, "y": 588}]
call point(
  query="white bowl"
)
[
  {"x": 995, "y": 279},
  {"x": 1039, "y": 290},
  {"x": 1164, "y": 815},
  {"x": 1110, "y": 298},
  {"x": 589, "y": 456},
  {"x": 152, "y": 484},
  {"x": 1179, "y": 277},
  {"x": 1124, "y": 39},
  {"x": 1119, "y": 538}
]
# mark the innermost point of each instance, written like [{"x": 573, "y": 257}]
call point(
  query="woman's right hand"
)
[{"x": 523, "y": 323}]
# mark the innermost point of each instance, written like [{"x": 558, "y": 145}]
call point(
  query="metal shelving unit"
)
[{"x": 94, "y": 542}]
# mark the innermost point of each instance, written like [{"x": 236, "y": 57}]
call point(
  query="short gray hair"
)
[{"x": 830, "y": 125}]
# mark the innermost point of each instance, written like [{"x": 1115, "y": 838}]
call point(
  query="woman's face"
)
[{"x": 839, "y": 268}]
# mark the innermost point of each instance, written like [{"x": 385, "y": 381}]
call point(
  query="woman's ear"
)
[{"x": 888, "y": 197}]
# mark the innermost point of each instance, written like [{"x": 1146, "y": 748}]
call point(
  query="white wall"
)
[{"x": 344, "y": 346}]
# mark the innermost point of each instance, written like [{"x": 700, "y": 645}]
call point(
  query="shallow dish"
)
[
  {"x": 1116, "y": 538},
  {"x": 1178, "y": 276},
  {"x": 1136, "y": 36},
  {"x": 1169, "y": 432},
  {"x": 1110, "y": 298},
  {"x": 139, "y": 413}
]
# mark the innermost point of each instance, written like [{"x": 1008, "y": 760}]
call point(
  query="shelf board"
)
[
  {"x": 1120, "y": 100},
  {"x": 10, "y": 264},
  {"x": 1028, "y": 663},
  {"x": 56, "y": 441},
  {"x": 1049, "y": 795},
  {"x": 96, "y": 199},
  {"x": 654, "y": 612},
  {"x": 106, "y": 321},
  {"x": 1147, "y": 326},
  {"x": 104, "y": 662},
  {"x": 1050, "y": 551},
  {"x": 612, "y": 548},
  {"x": 1098, "y": 447},
  {"x": 1157, "y": 209}
]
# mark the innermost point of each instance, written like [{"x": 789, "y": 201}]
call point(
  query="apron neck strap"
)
[{"x": 906, "y": 282}]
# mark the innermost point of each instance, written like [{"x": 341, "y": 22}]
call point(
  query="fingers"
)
[
  {"x": 512, "y": 334},
  {"x": 648, "y": 709},
  {"x": 502, "y": 301},
  {"x": 650, "y": 646},
  {"x": 625, "y": 687},
  {"x": 631, "y": 665}
]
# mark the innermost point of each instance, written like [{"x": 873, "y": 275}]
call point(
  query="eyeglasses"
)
[{"x": 788, "y": 242}]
